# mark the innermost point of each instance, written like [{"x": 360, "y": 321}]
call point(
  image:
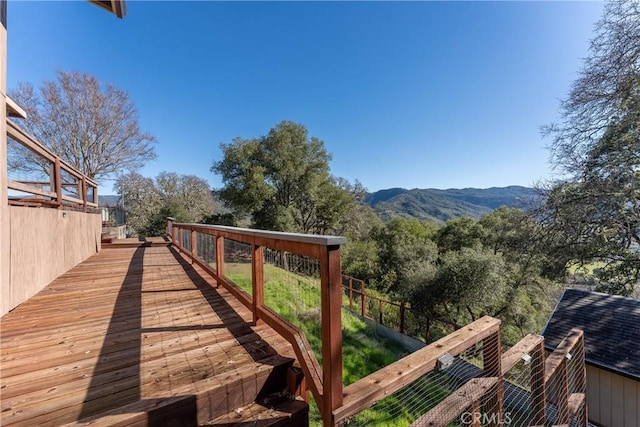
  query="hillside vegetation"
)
[{"x": 442, "y": 205}]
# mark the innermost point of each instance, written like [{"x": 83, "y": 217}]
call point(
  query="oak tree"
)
[
  {"x": 593, "y": 213},
  {"x": 91, "y": 125},
  {"x": 282, "y": 181}
]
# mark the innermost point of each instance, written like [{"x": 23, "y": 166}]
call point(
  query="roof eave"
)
[{"x": 117, "y": 7}]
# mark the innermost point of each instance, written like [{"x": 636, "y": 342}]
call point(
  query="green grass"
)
[
  {"x": 587, "y": 269},
  {"x": 297, "y": 299}
]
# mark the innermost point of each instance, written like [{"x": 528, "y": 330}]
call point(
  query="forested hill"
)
[{"x": 441, "y": 205}]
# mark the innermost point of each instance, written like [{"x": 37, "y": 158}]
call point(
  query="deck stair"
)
[
  {"x": 111, "y": 242},
  {"x": 278, "y": 410}
]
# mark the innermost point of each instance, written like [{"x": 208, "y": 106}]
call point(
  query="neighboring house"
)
[
  {"x": 114, "y": 217},
  {"x": 611, "y": 326},
  {"x": 113, "y": 213}
]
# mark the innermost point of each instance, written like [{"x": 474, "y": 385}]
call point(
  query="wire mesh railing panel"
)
[
  {"x": 517, "y": 398},
  {"x": 28, "y": 169},
  {"x": 71, "y": 185},
  {"x": 413, "y": 403},
  {"x": 566, "y": 382},
  {"x": 391, "y": 316},
  {"x": 25, "y": 165},
  {"x": 206, "y": 249},
  {"x": 292, "y": 289},
  {"x": 185, "y": 240},
  {"x": 237, "y": 264},
  {"x": 91, "y": 191}
]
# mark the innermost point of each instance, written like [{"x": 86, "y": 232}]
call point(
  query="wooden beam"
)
[
  {"x": 576, "y": 400},
  {"x": 492, "y": 363},
  {"x": 331, "y": 306},
  {"x": 14, "y": 110},
  {"x": 117, "y": 7},
  {"x": 19, "y": 186},
  {"x": 257, "y": 280},
  {"x": 525, "y": 346},
  {"x": 303, "y": 244},
  {"x": 558, "y": 355},
  {"x": 219, "y": 255}
]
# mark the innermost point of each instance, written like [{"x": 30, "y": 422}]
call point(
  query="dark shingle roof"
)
[{"x": 611, "y": 326}]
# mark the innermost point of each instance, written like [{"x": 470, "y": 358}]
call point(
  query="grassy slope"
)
[{"x": 297, "y": 299}]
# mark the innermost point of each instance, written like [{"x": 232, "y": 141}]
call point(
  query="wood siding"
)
[
  {"x": 613, "y": 400},
  {"x": 45, "y": 243},
  {"x": 4, "y": 205}
]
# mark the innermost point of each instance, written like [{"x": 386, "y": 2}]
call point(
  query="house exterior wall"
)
[
  {"x": 5, "y": 249},
  {"x": 613, "y": 400},
  {"x": 45, "y": 243}
]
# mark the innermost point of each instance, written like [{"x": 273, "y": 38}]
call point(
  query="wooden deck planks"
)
[{"x": 127, "y": 325}]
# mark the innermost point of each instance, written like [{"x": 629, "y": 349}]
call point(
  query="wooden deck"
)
[{"x": 134, "y": 336}]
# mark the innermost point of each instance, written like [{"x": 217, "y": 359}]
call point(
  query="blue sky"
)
[{"x": 403, "y": 94}]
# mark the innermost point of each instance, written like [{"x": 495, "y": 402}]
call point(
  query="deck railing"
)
[
  {"x": 551, "y": 390},
  {"x": 63, "y": 186},
  {"x": 325, "y": 382},
  {"x": 392, "y": 314}
]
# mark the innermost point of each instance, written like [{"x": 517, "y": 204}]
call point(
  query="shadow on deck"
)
[{"x": 137, "y": 335}]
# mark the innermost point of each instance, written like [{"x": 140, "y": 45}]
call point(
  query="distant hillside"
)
[{"x": 441, "y": 205}]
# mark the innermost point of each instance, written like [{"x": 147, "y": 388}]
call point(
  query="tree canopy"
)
[
  {"x": 593, "y": 213},
  {"x": 149, "y": 202},
  {"x": 282, "y": 181},
  {"x": 91, "y": 125}
]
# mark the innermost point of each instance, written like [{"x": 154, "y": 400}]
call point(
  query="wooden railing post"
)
[
  {"x": 350, "y": 293},
  {"x": 476, "y": 414},
  {"x": 194, "y": 245},
  {"x": 556, "y": 375},
  {"x": 257, "y": 279},
  {"x": 83, "y": 195},
  {"x": 561, "y": 385},
  {"x": 174, "y": 237},
  {"x": 219, "y": 257},
  {"x": 95, "y": 195},
  {"x": 402, "y": 310},
  {"x": 331, "y": 305},
  {"x": 363, "y": 307},
  {"x": 58, "y": 180},
  {"x": 380, "y": 310},
  {"x": 491, "y": 362},
  {"x": 581, "y": 379}
]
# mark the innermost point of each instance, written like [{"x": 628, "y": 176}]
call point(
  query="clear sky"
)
[{"x": 403, "y": 94}]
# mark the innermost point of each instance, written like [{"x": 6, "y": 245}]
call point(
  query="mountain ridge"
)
[{"x": 441, "y": 205}]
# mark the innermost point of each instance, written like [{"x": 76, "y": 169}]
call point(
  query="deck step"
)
[
  {"x": 107, "y": 238},
  {"x": 114, "y": 243},
  {"x": 280, "y": 410},
  {"x": 196, "y": 403}
]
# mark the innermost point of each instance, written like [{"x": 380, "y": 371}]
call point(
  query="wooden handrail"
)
[
  {"x": 325, "y": 382},
  {"x": 58, "y": 166}
]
